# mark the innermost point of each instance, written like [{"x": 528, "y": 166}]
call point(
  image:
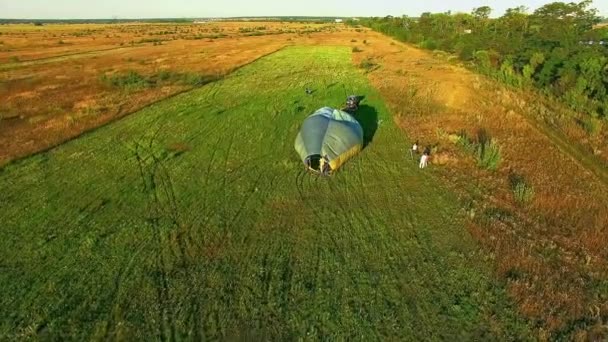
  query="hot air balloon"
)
[{"x": 330, "y": 137}]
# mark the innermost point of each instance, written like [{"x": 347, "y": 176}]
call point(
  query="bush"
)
[
  {"x": 368, "y": 64},
  {"x": 190, "y": 79},
  {"x": 508, "y": 75},
  {"x": 429, "y": 44},
  {"x": 523, "y": 193},
  {"x": 488, "y": 155},
  {"x": 132, "y": 80},
  {"x": 466, "y": 52},
  {"x": 463, "y": 140},
  {"x": 356, "y": 49},
  {"x": 482, "y": 59},
  {"x": 193, "y": 79},
  {"x": 485, "y": 149},
  {"x": 591, "y": 125}
]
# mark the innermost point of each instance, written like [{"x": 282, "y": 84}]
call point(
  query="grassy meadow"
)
[{"x": 194, "y": 219}]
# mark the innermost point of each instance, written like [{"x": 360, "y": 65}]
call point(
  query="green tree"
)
[
  {"x": 567, "y": 21},
  {"x": 482, "y": 13}
]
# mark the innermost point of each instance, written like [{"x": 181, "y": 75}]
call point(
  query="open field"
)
[
  {"x": 193, "y": 218},
  {"x": 52, "y": 78}
]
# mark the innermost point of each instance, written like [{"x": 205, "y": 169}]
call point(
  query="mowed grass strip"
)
[{"x": 194, "y": 219}]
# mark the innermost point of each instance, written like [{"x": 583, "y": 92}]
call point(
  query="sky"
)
[{"x": 127, "y": 9}]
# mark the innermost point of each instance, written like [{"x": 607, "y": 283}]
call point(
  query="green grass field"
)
[{"x": 194, "y": 219}]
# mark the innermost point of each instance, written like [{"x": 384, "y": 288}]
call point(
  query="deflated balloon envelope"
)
[{"x": 328, "y": 138}]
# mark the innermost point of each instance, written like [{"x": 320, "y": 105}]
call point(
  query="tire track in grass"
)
[
  {"x": 312, "y": 184},
  {"x": 195, "y": 306},
  {"x": 368, "y": 238},
  {"x": 354, "y": 223},
  {"x": 157, "y": 181},
  {"x": 430, "y": 258},
  {"x": 116, "y": 293}
]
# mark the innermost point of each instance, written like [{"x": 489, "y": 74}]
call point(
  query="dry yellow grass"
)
[
  {"x": 552, "y": 253},
  {"x": 52, "y": 92}
]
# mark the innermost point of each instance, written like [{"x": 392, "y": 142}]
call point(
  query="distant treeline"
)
[
  {"x": 286, "y": 19},
  {"x": 165, "y": 20},
  {"x": 93, "y": 21},
  {"x": 558, "y": 48}
]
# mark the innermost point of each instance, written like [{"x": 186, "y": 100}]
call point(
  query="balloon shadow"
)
[{"x": 368, "y": 118}]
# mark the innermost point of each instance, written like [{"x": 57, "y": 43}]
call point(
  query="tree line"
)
[{"x": 557, "y": 48}]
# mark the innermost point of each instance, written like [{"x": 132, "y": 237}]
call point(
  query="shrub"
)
[
  {"x": 466, "y": 52},
  {"x": 488, "y": 155},
  {"x": 523, "y": 193},
  {"x": 149, "y": 40},
  {"x": 14, "y": 59},
  {"x": 485, "y": 149},
  {"x": 482, "y": 59},
  {"x": 429, "y": 44},
  {"x": 132, "y": 80},
  {"x": 194, "y": 80},
  {"x": 368, "y": 64},
  {"x": 591, "y": 125},
  {"x": 497, "y": 214},
  {"x": 356, "y": 49},
  {"x": 462, "y": 139},
  {"x": 189, "y": 79}
]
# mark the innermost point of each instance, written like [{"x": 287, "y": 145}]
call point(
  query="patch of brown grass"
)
[
  {"x": 54, "y": 93},
  {"x": 551, "y": 253}
]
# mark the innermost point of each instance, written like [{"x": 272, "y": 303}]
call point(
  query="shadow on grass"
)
[{"x": 368, "y": 118}]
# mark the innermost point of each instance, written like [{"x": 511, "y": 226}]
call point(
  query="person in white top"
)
[
  {"x": 424, "y": 160},
  {"x": 414, "y": 149}
]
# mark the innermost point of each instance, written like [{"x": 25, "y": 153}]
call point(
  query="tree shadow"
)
[{"x": 368, "y": 118}]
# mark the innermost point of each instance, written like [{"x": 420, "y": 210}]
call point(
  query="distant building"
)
[{"x": 339, "y": 20}]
